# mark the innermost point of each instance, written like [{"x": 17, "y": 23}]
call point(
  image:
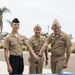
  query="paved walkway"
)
[
  {"x": 3, "y": 69},
  {"x": 70, "y": 69}
]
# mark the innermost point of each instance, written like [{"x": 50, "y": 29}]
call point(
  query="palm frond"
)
[
  {"x": 9, "y": 22},
  {"x": 4, "y": 10},
  {"x": 0, "y": 12},
  {"x": 0, "y": 9}
]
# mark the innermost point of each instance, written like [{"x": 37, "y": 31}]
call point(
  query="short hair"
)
[{"x": 15, "y": 20}]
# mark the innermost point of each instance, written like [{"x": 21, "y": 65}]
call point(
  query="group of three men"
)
[{"x": 36, "y": 45}]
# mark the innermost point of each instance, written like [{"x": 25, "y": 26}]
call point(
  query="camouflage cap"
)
[
  {"x": 55, "y": 24},
  {"x": 37, "y": 26}
]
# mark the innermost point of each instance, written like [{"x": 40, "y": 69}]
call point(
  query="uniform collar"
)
[
  {"x": 58, "y": 34},
  {"x": 11, "y": 34},
  {"x": 36, "y": 37}
]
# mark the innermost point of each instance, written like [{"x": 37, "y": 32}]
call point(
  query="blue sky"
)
[{"x": 43, "y": 12}]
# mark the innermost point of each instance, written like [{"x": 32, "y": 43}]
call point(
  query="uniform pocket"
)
[
  {"x": 13, "y": 42},
  {"x": 35, "y": 43},
  {"x": 60, "y": 43}
]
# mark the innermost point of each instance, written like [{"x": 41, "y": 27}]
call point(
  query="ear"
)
[
  {"x": 11, "y": 25},
  {"x": 60, "y": 26},
  {"x": 34, "y": 29}
]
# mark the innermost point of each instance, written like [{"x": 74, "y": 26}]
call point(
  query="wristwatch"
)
[
  {"x": 39, "y": 55},
  {"x": 46, "y": 58}
]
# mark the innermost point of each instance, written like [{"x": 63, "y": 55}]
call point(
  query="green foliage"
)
[
  {"x": 49, "y": 49},
  {"x": 73, "y": 51},
  {"x": 1, "y": 46},
  {"x": 71, "y": 36},
  {"x": 24, "y": 48},
  {"x": 4, "y": 10},
  {"x": 44, "y": 34},
  {"x": 5, "y": 34}
]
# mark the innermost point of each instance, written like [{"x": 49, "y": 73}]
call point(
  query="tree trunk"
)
[{"x": 1, "y": 27}]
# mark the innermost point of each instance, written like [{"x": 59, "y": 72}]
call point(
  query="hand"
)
[
  {"x": 65, "y": 65},
  {"x": 35, "y": 61},
  {"x": 46, "y": 62},
  {"x": 37, "y": 58},
  {"x": 10, "y": 70}
]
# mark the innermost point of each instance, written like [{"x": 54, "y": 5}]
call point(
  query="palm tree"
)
[
  {"x": 71, "y": 36},
  {"x": 2, "y": 11}
]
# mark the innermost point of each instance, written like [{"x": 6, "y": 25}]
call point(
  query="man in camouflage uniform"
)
[
  {"x": 36, "y": 42},
  {"x": 59, "y": 40}
]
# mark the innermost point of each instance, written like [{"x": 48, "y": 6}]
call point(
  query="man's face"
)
[
  {"x": 37, "y": 32},
  {"x": 56, "y": 30},
  {"x": 15, "y": 26}
]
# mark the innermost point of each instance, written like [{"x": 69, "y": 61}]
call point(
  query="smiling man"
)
[
  {"x": 36, "y": 42},
  {"x": 60, "y": 41},
  {"x": 13, "y": 43}
]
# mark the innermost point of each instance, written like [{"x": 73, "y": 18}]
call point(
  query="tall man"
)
[
  {"x": 60, "y": 41},
  {"x": 13, "y": 43}
]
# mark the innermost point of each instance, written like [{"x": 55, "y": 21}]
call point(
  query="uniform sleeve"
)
[
  {"x": 30, "y": 42},
  {"x": 6, "y": 43},
  {"x": 68, "y": 41}
]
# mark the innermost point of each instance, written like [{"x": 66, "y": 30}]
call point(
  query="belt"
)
[
  {"x": 56, "y": 55},
  {"x": 21, "y": 56},
  {"x": 36, "y": 62}
]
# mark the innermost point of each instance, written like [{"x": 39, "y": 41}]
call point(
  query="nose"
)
[{"x": 17, "y": 25}]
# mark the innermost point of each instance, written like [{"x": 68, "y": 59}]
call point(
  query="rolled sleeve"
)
[
  {"x": 68, "y": 41},
  {"x": 48, "y": 40}
]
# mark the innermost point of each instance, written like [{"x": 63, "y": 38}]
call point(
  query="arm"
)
[
  {"x": 10, "y": 70},
  {"x": 6, "y": 55},
  {"x": 68, "y": 52},
  {"x": 43, "y": 48},
  {"x": 46, "y": 55},
  {"x": 32, "y": 52},
  {"x": 29, "y": 46},
  {"x": 67, "y": 57}
]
